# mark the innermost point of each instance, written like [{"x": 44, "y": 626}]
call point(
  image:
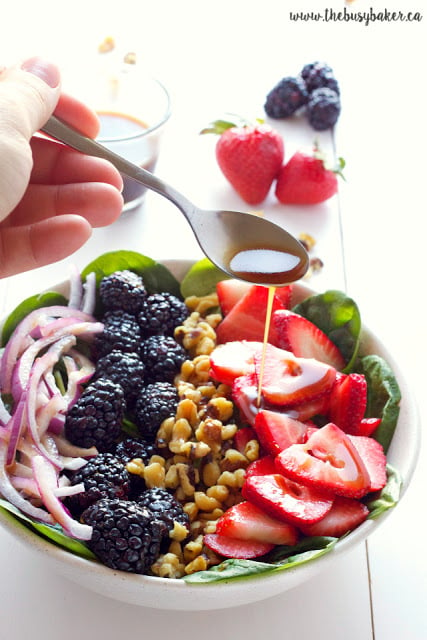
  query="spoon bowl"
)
[{"x": 243, "y": 245}]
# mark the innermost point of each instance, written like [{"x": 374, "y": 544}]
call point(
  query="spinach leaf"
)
[
  {"x": 388, "y": 496},
  {"x": 201, "y": 279},
  {"x": 383, "y": 396},
  {"x": 338, "y": 316},
  {"x": 36, "y": 301},
  {"x": 286, "y": 558},
  {"x": 156, "y": 276},
  {"x": 53, "y": 533}
]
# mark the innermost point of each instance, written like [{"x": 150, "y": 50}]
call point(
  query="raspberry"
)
[
  {"x": 286, "y": 98},
  {"x": 103, "y": 476},
  {"x": 125, "y": 536},
  {"x": 162, "y": 357},
  {"x": 156, "y": 402},
  {"x": 162, "y": 312},
  {"x": 123, "y": 290},
  {"x": 95, "y": 420},
  {"x": 323, "y": 109}
]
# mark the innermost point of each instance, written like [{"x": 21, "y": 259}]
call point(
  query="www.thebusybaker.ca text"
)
[{"x": 348, "y": 15}]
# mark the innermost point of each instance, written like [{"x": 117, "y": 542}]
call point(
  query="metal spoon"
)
[{"x": 243, "y": 245}]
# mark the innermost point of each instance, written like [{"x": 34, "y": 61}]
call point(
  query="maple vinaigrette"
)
[
  {"x": 127, "y": 136},
  {"x": 271, "y": 292},
  {"x": 269, "y": 266}
]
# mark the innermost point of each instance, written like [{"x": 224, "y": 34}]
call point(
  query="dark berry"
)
[
  {"x": 125, "y": 536},
  {"x": 162, "y": 312},
  {"x": 123, "y": 290},
  {"x": 103, "y": 476},
  {"x": 165, "y": 507},
  {"x": 323, "y": 109},
  {"x": 155, "y": 403},
  {"x": 121, "y": 332},
  {"x": 318, "y": 75},
  {"x": 125, "y": 369},
  {"x": 163, "y": 357},
  {"x": 286, "y": 98},
  {"x": 131, "y": 449},
  {"x": 95, "y": 420}
]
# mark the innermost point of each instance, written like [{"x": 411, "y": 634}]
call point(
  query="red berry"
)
[
  {"x": 250, "y": 158},
  {"x": 304, "y": 179}
]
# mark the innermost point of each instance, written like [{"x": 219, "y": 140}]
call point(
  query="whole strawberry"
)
[
  {"x": 307, "y": 179},
  {"x": 249, "y": 156}
]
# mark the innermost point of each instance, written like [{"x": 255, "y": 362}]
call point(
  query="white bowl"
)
[{"x": 171, "y": 594}]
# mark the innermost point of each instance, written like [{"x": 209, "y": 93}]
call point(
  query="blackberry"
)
[
  {"x": 155, "y": 403},
  {"x": 103, "y": 476},
  {"x": 323, "y": 109},
  {"x": 125, "y": 369},
  {"x": 95, "y": 420},
  {"x": 162, "y": 312},
  {"x": 125, "y": 536},
  {"x": 165, "y": 507},
  {"x": 318, "y": 75},
  {"x": 123, "y": 290},
  {"x": 286, "y": 98},
  {"x": 163, "y": 357},
  {"x": 131, "y": 449},
  {"x": 121, "y": 332}
]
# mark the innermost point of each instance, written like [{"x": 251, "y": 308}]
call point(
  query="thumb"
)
[{"x": 28, "y": 96}]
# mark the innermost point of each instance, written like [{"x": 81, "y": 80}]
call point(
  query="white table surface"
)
[{"x": 224, "y": 56}]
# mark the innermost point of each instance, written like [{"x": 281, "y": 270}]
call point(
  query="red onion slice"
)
[{"x": 47, "y": 482}]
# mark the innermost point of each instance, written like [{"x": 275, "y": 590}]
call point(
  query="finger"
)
[
  {"x": 55, "y": 163},
  {"x": 33, "y": 246},
  {"x": 100, "y": 203},
  {"x": 77, "y": 115},
  {"x": 28, "y": 96}
]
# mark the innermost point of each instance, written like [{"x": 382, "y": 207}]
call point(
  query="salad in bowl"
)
[{"x": 154, "y": 447}]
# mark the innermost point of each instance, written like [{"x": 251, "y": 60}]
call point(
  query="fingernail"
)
[{"x": 44, "y": 70}]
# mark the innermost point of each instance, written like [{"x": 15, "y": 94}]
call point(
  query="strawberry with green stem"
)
[
  {"x": 308, "y": 178},
  {"x": 249, "y": 155}
]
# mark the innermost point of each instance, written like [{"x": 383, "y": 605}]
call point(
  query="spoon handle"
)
[{"x": 61, "y": 131}]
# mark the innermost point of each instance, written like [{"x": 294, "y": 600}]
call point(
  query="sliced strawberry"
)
[
  {"x": 374, "y": 459},
  {"x": 235, "y": 548},
  {"x": 287, "y": 500},
  {"x": 233, "y": 359},
  {"x": 285, "y": 295},
  {"x": 242, "y": 437},
  {"x": 310, "y": 408},
  {"x": 348, "y": 401},
  {"x": 229, "y": 292},
  {"x": 297, "y": 334},
  {"x": 328, "y": 461},
  {"x": 346, "y": 514},
  {"x": 246, "y": 320},
  {"x": 367, "y": 426},
  {"x": 277, "y": 431},
  {"x": 247, "y": 522},
  {"x": 288, "y": 380},
  {"x": 261, "y": 467},
  {"x": 244, "y": 393}
]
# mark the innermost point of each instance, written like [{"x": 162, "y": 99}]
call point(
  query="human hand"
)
[{"x": 50, "y": 196}]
